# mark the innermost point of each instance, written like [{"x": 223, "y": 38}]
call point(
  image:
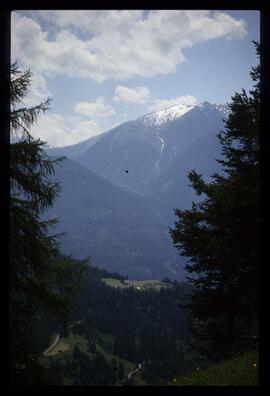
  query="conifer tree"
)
[
  {"x": 121, "y": 370},
  {"x": 220, "y": 235},
  {"x": 41, "y": 280}
]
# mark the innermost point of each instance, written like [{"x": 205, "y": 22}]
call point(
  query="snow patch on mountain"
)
[
  {"x": 162, "y": 143},
  {"x": 161, "y": 151},
  {"x": 163, "y": 116}
]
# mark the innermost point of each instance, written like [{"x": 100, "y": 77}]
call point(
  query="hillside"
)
[
  {"x": 74, "y": 346},
  {"x": 118, "y": 229},
  {"x": 123, "y": 328},
  {"x": 242, "y": 370}
]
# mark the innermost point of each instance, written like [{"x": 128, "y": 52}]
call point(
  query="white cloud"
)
[
  {"x": 159, "y": 104},
  {"x": 38, "y": 90},
  {"x": 58, "y": 131},
  {"x": 86, "y": 129},
  {"x": 131, "y": 95},
  {"x": 94, "y": 109},
  {"x": 114, "y": 44}
]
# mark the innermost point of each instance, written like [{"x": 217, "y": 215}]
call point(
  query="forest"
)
[{"x": 152, "y": 332}]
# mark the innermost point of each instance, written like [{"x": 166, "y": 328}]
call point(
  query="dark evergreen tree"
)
[
  {"x": 76, "y": 353},
  {"x": 41, "y": 280},
  {"x": 121, "y": 370},
  {"x": 220, "y": 234},
  {"x": 114, "y": 364}
]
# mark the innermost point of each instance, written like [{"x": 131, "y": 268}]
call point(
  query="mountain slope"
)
[
  {"x": 120, "y": 231},
  {"x": 74, "y": 150},
  {"x": 171, "y": 189}
]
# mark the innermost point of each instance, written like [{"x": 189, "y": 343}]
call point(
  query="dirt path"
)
[{"x": 130, "y": 375}]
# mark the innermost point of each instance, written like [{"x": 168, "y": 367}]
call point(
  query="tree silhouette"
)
[
  {"x": 41, "y": 280},
  {"x": 220, "y": 235}
]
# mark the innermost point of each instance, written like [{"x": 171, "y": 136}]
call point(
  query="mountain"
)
[
  {"x": 158, "y": 150},
  {"x": 118, "y": 229},
  {"x": 120, "y": 192},
  {"x": 148, "y": 146},
  {"x": 163, "y": 116}
]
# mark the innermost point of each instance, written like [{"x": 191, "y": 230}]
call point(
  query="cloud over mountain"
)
[
  {"x": 114, "y": 44},
  {"x": 59, "y": 131}
]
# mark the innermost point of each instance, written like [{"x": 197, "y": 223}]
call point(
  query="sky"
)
[{"x": 105, "y": 67}]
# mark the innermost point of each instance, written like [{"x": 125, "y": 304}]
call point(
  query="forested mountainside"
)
[{"x": 96, "y": 347}]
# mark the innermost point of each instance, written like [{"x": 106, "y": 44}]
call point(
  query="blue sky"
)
[{"x": 102, "y": 68}]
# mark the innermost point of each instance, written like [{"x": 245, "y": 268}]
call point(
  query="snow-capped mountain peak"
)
[{"x": 163, "y": 116}]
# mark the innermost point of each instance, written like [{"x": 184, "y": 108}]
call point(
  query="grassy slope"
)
[
  {"x": 155, "y": 284},
  {"x": 239, "y": 371},
  {"x": 70, "y": 342}
]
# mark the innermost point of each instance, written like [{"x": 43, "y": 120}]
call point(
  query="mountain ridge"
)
[
  {"x": 173, "y": 112},
  {"x": 148, "y": 151}
]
